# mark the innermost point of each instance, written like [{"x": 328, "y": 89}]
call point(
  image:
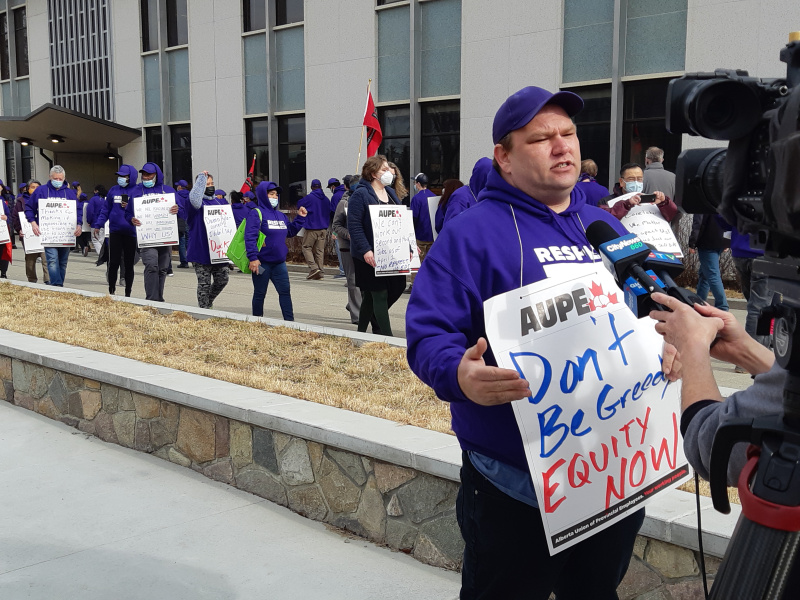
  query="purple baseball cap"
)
[
  {"x": 182, "y": 183},
  {"x": 333, "y": 181},
  {"x": 520, "y": 108},
  {"x": 148, "y": 168},
  {"x": 316, "y": 183},
  {"x": 220, "y": 193}
]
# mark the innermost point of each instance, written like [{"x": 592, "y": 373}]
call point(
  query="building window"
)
[
  {"x": 149, "y": 25},
  {"x": 152, "y": 89},
  {"x": 394, "y": 54},
  {"x": 290, "y": 66},
  {"x": 254, "y": 15},
  {"x": 440, "y": 141},
  {"x": 181, "y": 136},
  {"x": 254, "y": 48},
  {"x": 594, "y": 128},
  {"x": 177, "y": 23},
  {"x": 588, "y": 40},
  {"x": 655, "y": 38},
  {"x": 80, "y": 71},
  {"x": 288, "y": 11},
  {"x": 178, "y": 63},
  {"x": 257, "y": 144},
  {"x": 644, "y": 122},
  {"x": 396, "y": 144},
  {"x": 11, "y": 171},
  {"x": 154, "y": 147},
  {"x": 440, "y": 49},
  {"x": 27, "y": 163},
  {"x": 5, "y": 72},
  {"x": 292, "y": 159},
  {"x": 21, "y": 41},
  {"x": 385, "y": 2}
]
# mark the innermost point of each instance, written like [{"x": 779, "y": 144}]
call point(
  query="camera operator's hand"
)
[{"x": 734, "y": 344}]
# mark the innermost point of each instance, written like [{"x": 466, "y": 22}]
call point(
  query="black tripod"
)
[{"x": 765, "y": 543}]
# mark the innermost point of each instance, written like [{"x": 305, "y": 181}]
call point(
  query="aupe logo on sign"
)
[{"x": 548, "y": 312}]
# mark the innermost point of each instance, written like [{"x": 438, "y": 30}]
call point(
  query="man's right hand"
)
[
  {"x": 95, "y": 232},
  {"x": 35, "y": 228},
  {"x": 487, "y": 385}
]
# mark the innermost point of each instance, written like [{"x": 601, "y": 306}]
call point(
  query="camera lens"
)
[{"x": 724, "y": 110}]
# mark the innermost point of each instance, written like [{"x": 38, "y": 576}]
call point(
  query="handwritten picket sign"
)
[
  {"x": 393, "y": 241},
  {"x": 32, "y": 243},
  {"x": 433, "y": 204},
  {"x": 58, "y": 219},
  {"x": 646, "y": 221},
  {"x": 416, "y": 262},
  {"x": 159, "y": 227},
  {"x": 221, "y": 228},
  {"x": 5, "y": 235},
  {"x": 601, "y": 427}
]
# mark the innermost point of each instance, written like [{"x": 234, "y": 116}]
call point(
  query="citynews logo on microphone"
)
[{"x": 627, "y": 243}]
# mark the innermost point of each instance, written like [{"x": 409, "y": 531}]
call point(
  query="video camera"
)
[{"x": 755, "y": 185}]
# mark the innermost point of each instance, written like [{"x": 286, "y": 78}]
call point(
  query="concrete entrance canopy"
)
[{"x": 81, "y": 133}]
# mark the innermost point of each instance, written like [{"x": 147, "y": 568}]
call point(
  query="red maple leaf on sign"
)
[{"x": 600, "y": 299}]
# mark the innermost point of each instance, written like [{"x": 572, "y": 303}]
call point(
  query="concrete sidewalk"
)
[{"x": 85, "y": 519}]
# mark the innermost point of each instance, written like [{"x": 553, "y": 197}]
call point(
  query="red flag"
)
[
  {"x": 374, "y": 134},
  {"x": 247, "y": 186}
]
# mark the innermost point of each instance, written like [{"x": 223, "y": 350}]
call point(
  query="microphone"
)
[
  {"x": 623, "y": 256},
  {"x": 667, "y": 266}
]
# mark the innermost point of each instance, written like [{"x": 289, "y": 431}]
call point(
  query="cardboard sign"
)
[
  {"x": 393, "y": 237},
  {"x": 159, "y": 227},
  {"x": 5, "y": 235},
  {"x": 32, "y": 243},
  {"x": 58, "y": 219},
  {"x": 601, "y": 427},
  {"x": 220, "y": 227},
  {"x": 433, "y": 204}
]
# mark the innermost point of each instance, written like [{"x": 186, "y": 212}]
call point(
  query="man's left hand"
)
[
  {"x": 77, "y": 231},
  {"x": 173, "y": 209},
  {"x": 660, "y": 198}
]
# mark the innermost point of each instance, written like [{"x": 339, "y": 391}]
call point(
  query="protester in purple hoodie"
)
[
  {"x": 240, "y": 209},
  {"x": 593, "y": 191},
  {"x": 54, "y": 188},
  {"x": 529, "y": 218},
  {"x": 319, "y": 217},
  {"x": 250, "y": 200},
  {"x": 157, "y": 260},
  {"x": 121, "y": 234},
  {"x": 182, "y": 199},
  {"x": 197, "y": 253},
  {"x": 268, "y": 263},
  {"x": 467, "y": 196}
]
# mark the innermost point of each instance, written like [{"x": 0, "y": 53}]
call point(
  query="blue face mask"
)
[
  {"x": 273, "y": 202},
  {"x": 634, "y": 186},
  {"x": 122, "y": 181},
  {"x": 56, "y": 183},
  {"x": 148, "y": 184}
]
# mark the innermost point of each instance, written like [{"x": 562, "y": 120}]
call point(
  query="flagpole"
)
[{"x": 361, "y": 141}]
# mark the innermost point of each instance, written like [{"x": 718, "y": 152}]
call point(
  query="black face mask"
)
[{"x": 210, "y": 189}]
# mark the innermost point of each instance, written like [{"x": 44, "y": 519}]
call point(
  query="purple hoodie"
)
[
  {"x": 423, "y": 230},
  {"x": 338, "y": 192},
  {"x": 467, "y": 196},
  {"x": 112, "y": 211},
  {"x": 197, "y": 235},
  {"x": 140, "y": 190},
  {"x": 275, "y": 226},
  {"x": 43, "y": 192},
  {"x": 319, "y": 209},
  {"x": 240, "y": 212},
  {"x": 96, "y": 204},
  {"x": 471, "y": 263}
]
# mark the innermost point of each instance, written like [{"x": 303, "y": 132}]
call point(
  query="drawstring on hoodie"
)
[{"x": 519, "y": 237}]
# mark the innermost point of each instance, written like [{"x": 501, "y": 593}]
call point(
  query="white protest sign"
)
[
  {"x": 5, "y": 236},
  {"x": 390, "y": 234},
  {"x": 600, "y": 429},
  {"x": 221, "y": 227},
  {"x": 412, "y": 240},
  {"x": 433, "y": 204},
  {"x": 32, "y": 243},
  {"x": 58, "y": 219},
  {"x": 646, "y": 221},
  {"x": 159, "y": 227}
]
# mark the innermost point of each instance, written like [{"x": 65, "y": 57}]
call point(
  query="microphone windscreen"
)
[{"x": 600, "y": 232}]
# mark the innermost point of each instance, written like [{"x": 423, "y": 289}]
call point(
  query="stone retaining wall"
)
[{"x": 405, "y": 509}]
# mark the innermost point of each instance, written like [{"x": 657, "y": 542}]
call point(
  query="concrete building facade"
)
[{"x": 209, "y": 84}]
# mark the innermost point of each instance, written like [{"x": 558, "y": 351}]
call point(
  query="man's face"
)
[
  {"x": 57, "y": 177},
  {"x": 635, "y": 174},
  {"x": 148, "y": 176},
  {"x": 545, "y": 157}
]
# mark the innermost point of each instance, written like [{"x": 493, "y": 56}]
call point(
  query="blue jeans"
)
[
  {"x": 182, "y": 247},
  {"x": 279, "y": 275},
  {"x": 756, "y": 291},
  {"x": 339, "y": 256},
  {"x": 57, "y": 264},
  {"x": 711, "y": 278}
]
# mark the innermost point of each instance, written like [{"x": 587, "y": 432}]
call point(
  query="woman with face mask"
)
[
  {"x": 631, "y": 181},
  {"x": 378, "y": 293},
  {"x": 268, "y": 263}
]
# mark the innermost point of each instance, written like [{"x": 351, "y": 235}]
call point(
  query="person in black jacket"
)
[{"x": 709, "y": 240}]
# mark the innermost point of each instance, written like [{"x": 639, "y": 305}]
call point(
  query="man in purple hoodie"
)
[
  {"x": 529, "y": 221},
  {"x": 467, "y": 195},
  {"x": 319, "y": 217}
]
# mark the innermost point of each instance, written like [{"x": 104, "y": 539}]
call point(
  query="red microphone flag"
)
[
  {"x": 374, "y": 134},
  {"x": 247, "y": 186}
]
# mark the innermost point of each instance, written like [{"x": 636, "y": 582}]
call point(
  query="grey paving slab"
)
[{"x": 90, "y": 520}]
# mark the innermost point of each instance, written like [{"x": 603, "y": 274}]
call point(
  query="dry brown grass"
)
[{"x": 373, "y": 379}]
